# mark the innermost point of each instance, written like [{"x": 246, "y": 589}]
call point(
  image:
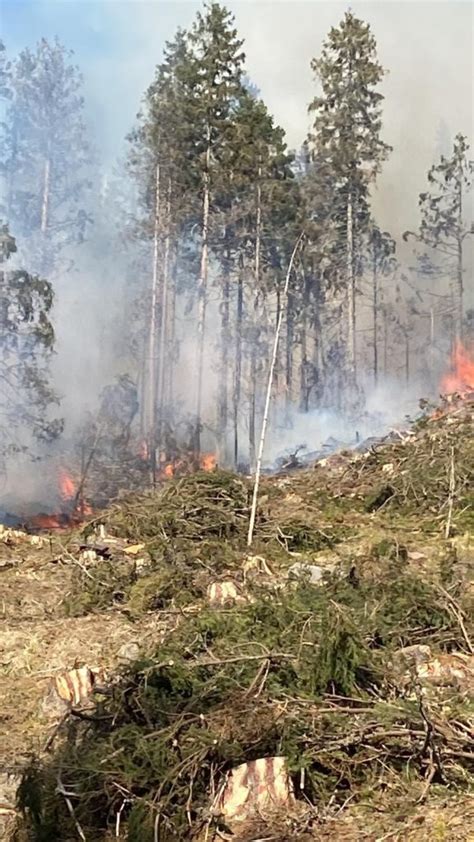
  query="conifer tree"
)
[
  {"x": 45, "y": 152},
  {"x": 346, "y": 137},
  {"x": 445, "y": 224},
  {"x": 264, "y": 202},
  {"x": 216, "y": 71}
]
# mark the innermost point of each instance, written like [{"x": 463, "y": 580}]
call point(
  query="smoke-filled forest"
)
[
  {"x": 236, "y": 422},
  {"x": 183, "y": 248}
]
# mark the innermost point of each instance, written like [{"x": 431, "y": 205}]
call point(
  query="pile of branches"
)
[
  {"x": 192, "y": 530},
  {"x": 427, "y": 472},
  {"x": 311, "y": 675}
]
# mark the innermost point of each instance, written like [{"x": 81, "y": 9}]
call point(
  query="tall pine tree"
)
[
  {"x": 445, "y": 223},
  {"x": 346, "y": 137},
  {"x": 45, "y": 153}
]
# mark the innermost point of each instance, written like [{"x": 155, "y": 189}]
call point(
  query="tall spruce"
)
[
  {"x": 45, "y": 153},
  {"x": 445, "y": 222},
  {"x": 217, "y": 69},
  {"x": 263, "y": 216},
  {"x": 347, "y": 139},
  {"x": 159, "y": 161}
]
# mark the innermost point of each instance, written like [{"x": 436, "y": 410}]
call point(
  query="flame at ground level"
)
[
  {"x": 190, "y": 462},
  {"x": 461, "y": 376},
  {"x": 67, "y": 486}
]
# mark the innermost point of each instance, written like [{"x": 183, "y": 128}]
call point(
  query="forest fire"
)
[
  {"x": 460, "y": 378},
  {"x": 75, "y": 510},
  {"x": 187, "y": 464},
  {"x": 67, "y": 486}
]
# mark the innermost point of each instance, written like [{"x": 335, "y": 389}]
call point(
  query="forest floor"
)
[{"x": 355, "y": 666}]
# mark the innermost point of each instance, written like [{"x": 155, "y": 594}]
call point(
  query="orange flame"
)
[
  {"x": 187, "y": 464},
  {"x": 461, "y": 376},
  {"x": 67, "y": 486},
  {"x": 208, "y": 461}
]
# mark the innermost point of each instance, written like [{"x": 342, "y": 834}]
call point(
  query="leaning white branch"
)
[{"x": 253, "y": 510}]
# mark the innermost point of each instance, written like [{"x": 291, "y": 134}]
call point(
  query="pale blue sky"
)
[{"x": 426, "y": 45}]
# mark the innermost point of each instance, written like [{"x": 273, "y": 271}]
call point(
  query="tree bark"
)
[
  {"x": 375, "y": 314},
  {"x": 238, "y": 363},
  {"x": 351, "y": 292},
  {"x": 151, "y": 380},
  {"x": 253, "y": 510},
  {"x": 171, "y": 350},
  {"x": 255, "y": 329},
  {"x": 223, "y": 373},
  {"x": 304, "y": 395},
  {"x": 160, "y": 389},
  {"x": 289, "y": 351},
  {"x": 202, "y": 287},
  {"x": 459, "y": 303}
]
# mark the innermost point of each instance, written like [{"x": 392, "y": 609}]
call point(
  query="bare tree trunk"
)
[
  {"x": 277, "y": 361},
  {"x": 151, "y": 380},
  {"x": 385, "y": 342},
  {"x": 252, "y": 407},
  {"x": 238, "y": 362},
  {"x": 202, "y": 287},
  {"x": 459, "y": 299},
  {"x": 160, "y": 389},
  {"x": 304, "y": 394},
  {"x": 289, "y": 351},
  {"x": 172, "y": 350},
  {"x": 375, "y": 314},
  {"x": 255, "y": 329},
  {"x": 351, "y": 292},
  {"x": 223, "y": 373},
  {"x": 407, "y": 357},
  {"x": 253, "y": 510}
]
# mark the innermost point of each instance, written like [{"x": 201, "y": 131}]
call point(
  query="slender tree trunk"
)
[
  {"x": 172, "y": 350},
  {"x": 289, "y": 351},
  {"x": 266, "y": 411},
  {"x": 277, "y": 361},
  {"x": 351, "y": 292},
  {"x": 304, "y": 395},
  {"x": 385, "y": 343},
  {"x": 459, "y": 300},
  {"x": 252, "y": 407},
  {"x": 407, "y": 357},
  {"x": 255, "y": 328},
  {"x": 202, "y": 287},
  {"x": 160, "y": 389},
  {"x": 223, "y": 374},
  {"x": 151, "y": 379},
  {"x": 238, "y": 362},
  {"x": 375, "y": 314}
]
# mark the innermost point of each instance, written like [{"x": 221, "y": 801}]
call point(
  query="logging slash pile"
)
[{"x": 319, "y": 687}]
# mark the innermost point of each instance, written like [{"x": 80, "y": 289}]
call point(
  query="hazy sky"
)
[{"x": 426, "y": 46}]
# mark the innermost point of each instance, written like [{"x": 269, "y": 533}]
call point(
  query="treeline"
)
[{"x": 205, "y": 214}]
